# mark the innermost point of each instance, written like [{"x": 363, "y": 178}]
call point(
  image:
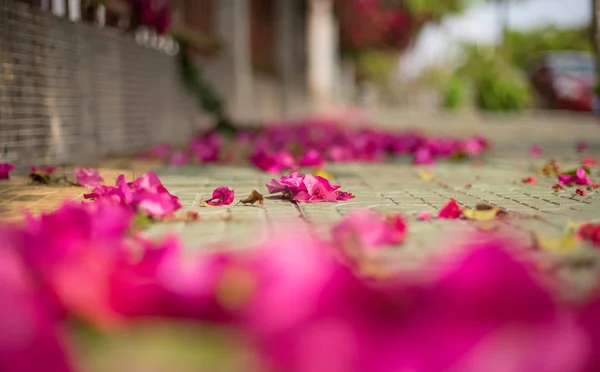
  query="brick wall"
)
[{"x": 71, "y": 92}]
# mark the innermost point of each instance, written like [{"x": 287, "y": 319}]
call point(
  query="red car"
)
[{"x": 565, "y": 80}]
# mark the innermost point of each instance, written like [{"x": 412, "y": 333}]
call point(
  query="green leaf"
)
[
  {"x": 574, "y": 171},
  {"x": 142, "y": 221}
]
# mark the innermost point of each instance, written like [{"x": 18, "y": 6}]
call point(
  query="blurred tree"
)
[
  {"x": 375, "y": 32},
  {"x": 498, "y": 84},
  {"x": 521, "y": 45},
  {"x": 366, "y": 25}
]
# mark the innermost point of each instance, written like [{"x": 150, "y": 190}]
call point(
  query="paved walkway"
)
[
  {"x": 394, "y": 187},
  {"x": 18, "y": 194}
]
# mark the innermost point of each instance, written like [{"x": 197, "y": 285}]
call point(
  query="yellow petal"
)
[
  {"x": 322, "y": 173},
  {"x": 564, "y": 244},
  {"x": 426, "y": 176},
  {"x": 481, "y": 215},
  {"x": 208, "y": 205}
]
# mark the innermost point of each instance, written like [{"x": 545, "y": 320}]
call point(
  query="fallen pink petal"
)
[
  {"x": 424, "y": 216},
  {"x": 343, "y": 196},
  {"x": 307, "y": 189},
  {"x": 589, "y": 162},
  {"x": 582, "y": 146},
  {"x": 370, "y": 229},
  {"x": 312, "y": 158},
  {"x": 179, "y": 159},
  {"x": 5, "y": 169},
  {"x": 591, "y": 233},
  {"x": 535, "y": 151},
  {"x": 221, "y": 196},
  {"x": 580, "y": 178},
  {"x": 87, "y": 177},
  {"x": 450, "y": 211},
  {"x": 146, "y": 193}
]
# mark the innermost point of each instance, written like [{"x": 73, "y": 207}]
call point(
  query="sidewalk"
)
[
  {"x": 18, "y": 194},
  {"x": 391, "y": 187}
]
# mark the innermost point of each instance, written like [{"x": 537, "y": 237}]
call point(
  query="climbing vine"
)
[{"x": 205, "y": 94}]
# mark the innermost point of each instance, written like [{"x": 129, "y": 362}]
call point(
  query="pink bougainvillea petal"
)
[
  {"x": 344, "y": 196},
  {"x": 588, "y": 161},
  {"x": 424, "y": 216},
  {"x": 581, "y": 146},
  {"x": 535, "y": 151},
  {"x": 87, "y": 177},
  {"x": 5, "y": 169},
  {"x": 179, "y": 158},
  {"x": 450, "y": 211},
  {"x": 147, "y": 193},
  {"x": 371, "y": 229},
  {"x": 307, "y": 188},
  {"x": 312, "y": 158},
  {"x": 221, "y": 196},
  {"x": 580, "y": 178}
]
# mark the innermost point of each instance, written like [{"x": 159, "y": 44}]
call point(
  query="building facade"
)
[{"x": 278, "y": 58}]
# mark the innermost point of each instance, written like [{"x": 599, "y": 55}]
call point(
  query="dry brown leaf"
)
[
  {"x": 40, "y": 177},
  {"x": 550, "y": 169},
  {"x": 254, "y": 197}
]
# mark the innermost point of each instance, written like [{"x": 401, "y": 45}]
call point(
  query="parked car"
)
[{"x": 564, "y": 80}]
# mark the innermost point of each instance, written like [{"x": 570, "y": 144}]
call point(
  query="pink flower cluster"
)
[
  {"x": 88, "y": 177},
  {"x": 307, "y": 189},
  {"x": 320, "y": 142},
  {"x": 580, "y": 178},
  {"x": 484, "y": 307},
  {"x": 5, "y": 169},
  {"x": 313, "y": 143},
  {"x": 203, "y": 148},
  {"x": 146, "y": 194}
]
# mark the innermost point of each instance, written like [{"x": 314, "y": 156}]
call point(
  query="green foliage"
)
[
  {"x": 207, "y": 98},
  {"x": 520, "y": 46},
  {"x": 377, "y": 66},
  {"x": 454, "y": 93},
  {"x": 499, "y": 85},
  {"x": 503, "y": 91},
  {"x": 437, "y": 8}
]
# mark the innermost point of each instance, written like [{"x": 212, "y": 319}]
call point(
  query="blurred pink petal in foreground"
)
[
  {"x": 87, "y": 177},
  {"x": 5, "y": 169}
]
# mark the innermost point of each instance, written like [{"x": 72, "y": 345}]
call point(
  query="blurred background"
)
[{"x": 88, "y": 78}]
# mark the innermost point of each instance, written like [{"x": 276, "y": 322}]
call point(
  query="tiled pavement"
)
[
  {"x": 394, "y": 187},
  {"x": 18, "y": 194}
]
